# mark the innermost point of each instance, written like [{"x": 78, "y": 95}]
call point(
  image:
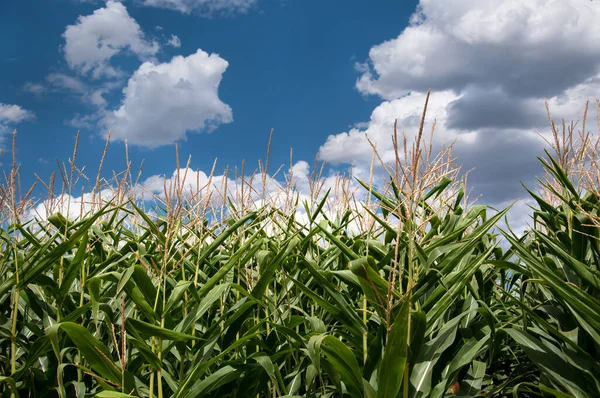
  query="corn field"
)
[{"x": 406, "y": 292}]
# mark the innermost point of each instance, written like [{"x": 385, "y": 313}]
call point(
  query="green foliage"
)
[{"x": 426, "y": 306}]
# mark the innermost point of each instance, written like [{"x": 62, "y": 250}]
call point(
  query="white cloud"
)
[
  {"x": 92, "y": 94},
  {"x": 66, "y": 82},
  {"x": 75, "y": 207},
  {"x": 174, "y": 41},
  {"x": 10, "y": 113},
  {"x": 72, "y": 207},
  {"x": 502, "y": 157},
  {"x": 300, "y": 170},
  {"x": 490, "y": 65},
  {"x": 570, "y": 104},
  {"x": 353, "y": 146},
  {"x": 210, "y": 193},
  {"x": 34, "y": 88},
  {"x": 164, "y": 101},
  {"x": 190, "y": 182},
  {"x": 523, "y": 47},
  {"x": 88, "y": 121},
  {"x": 204, "y": 7},
  {"x": 96, "y": 38},
  {"x": 206, "y": 196}
]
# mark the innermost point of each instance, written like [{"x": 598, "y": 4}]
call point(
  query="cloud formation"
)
[
  {"x": 94, "y": 39},
  {"x": 258, "y": 190},
  {"x": 174, "y": 41},
  {"x": 523, "y": 47},
  {"x": 204, "y": 7},
  {"x": 10, "y": 115},
  {"x": 92, "y": 93},
  {"x": 162, "y": 102},
  {"x": 490, "y": 65},
  {"x": 353, "y": 146},
  {"x": 34, "y": 88}
]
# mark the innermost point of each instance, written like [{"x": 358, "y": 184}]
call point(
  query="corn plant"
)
[
  {"x": 557, "y": 271},
  {"x": 221, "y": 291}
]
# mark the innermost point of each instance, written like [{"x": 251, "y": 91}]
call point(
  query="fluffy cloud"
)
[
  {"x": 259, "y": 190},
  {"x": 13, "y": 113},
  {"x": 500, "y": 157},
  {"x": 10, "y": 115},
  {"x": 204, "y": 7},
  {"x": 94, "y": 39},
  {"x": 523, "y": 47},
  {"x": 163, "y": 101},
  {"x": 208, "y": 194},
  {"x": 174, "y": 41},
  {"x": 490, "y": 65},
  {"x": 354, "y": 147},
  {"x": 72, "y": 207},
  {"x": 300, "y": 170}
]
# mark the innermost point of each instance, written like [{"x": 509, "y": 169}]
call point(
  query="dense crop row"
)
[{"x": 420, "y": 301}]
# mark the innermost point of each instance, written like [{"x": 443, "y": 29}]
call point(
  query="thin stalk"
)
[
  {"x": 81, "y": 287},
  {"x": 151, "y": 386},
  {"x": 366, "y": 333},
  {"x": 15, "y": 298}
]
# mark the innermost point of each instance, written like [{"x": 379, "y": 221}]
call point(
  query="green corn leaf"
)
[
  {"x": 421, "y": 374},
  {"x": 147, "y": 329},
  {"x": 220, "y": 274},
  {"x": 176, "y": 295},
  {"x": 391, "y": 370},
  {"x": 216, "y": 380},
  {"x": 552, "y": 364},
  {"x": 344, "y": 362},
  {"x": 93, "y": 350},
  {"x": 189, "y": 387},
  {"x": 71, "y": 272}
]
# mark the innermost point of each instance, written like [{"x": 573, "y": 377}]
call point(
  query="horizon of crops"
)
[{"x": 346, "y": 289}]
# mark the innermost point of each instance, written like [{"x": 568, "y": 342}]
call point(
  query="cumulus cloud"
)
[
  {"x": 10, "y": 116},
  {"x": 164, "y": 101},
  {"x": 500, "y": 158},
  {"x": 523, "y": 47},
  {"x": 71, "y": 207},
  {"x": 481, "y": 107},
  {"x": 258, "y": 190},
  {"x": 300, "y": 170},
  {"x": 208, "y": 194},
  {"x": 353, "y": 146},
  {"x": 204, "y": 7},
  {"x": 500, "y": 155},
  {"x": 10, "y": 113},
  {"x": 490, "y": 65},
  {"x": 94, "y": 39},
  {"x": 174, "y": 41}
]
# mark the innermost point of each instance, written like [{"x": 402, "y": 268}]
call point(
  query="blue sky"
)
[
  {"x": 216, "y": 76},
  {"x": 291, "y": 68}
]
